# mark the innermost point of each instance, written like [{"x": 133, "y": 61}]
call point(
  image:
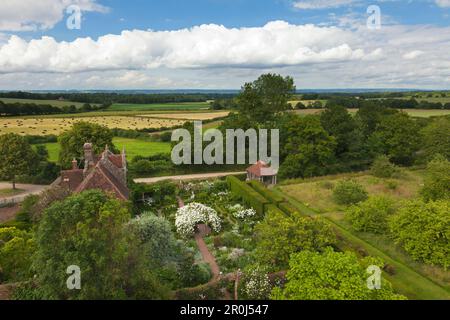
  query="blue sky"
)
[{"x": 165, "y": 44}]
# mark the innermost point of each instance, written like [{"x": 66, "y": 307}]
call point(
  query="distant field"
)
[
  {"x": 188, "y": 116},
  {"x": 159, "y": 106},
  {"x": 421, "y": 113},
  {"x": 133, "y": 147},
  {"x": 55, "y": 103},
  {"x": 45, "y": 126}
]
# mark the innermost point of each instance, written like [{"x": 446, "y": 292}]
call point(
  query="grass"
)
[
  {"x": 133, "y": 147},
  {"x": 318, "y": 193},
  {"x": 10, "y": 192},
  {"x": 160, "y": 106},
  {"x": 55, "y": 103},
  {"x": 414, "y": 279}
]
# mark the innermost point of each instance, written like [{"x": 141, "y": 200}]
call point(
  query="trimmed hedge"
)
[
  {"x": 273, "y": 208},
  {"x": 266, "y": 193},
  {"x": 247, "y": 194},
  {"x": 287, "y": 208}
]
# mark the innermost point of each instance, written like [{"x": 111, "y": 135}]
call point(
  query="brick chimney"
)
[
  {"x": 74, "y": 164},
  {"x": 88, "y": 158}
]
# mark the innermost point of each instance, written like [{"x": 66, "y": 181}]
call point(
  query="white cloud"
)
[
  {"x": 443, "y": 3},
  {"x": 275, "y": 44},
  {"x": 215, "y": 57},
  {"x": 413, "y": 54},
  {"x": 321, "y": 4},
  {"x": 28, "y": 15}
]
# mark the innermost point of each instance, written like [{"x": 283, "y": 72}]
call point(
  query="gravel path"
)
[{"x": 188, "y": 177}]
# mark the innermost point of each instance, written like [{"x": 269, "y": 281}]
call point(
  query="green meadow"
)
[
  {"x": 133, "y": 147},
  {"x": 55, "y": 103}
]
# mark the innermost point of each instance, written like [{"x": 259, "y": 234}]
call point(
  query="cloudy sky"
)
[{"x": 220, "y": 44}]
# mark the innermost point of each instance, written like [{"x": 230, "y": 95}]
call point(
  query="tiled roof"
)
[
  {"x": 261, "y": 169},
  {"x": 99, "y": 176}
]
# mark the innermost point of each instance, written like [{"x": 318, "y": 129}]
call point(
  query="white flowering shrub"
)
[
  {"x": 236, "y": 253},
  {"x": 194, "y": 213},
  {"x": 256, "y": 284},
  {"x": 240, "y": 212}
]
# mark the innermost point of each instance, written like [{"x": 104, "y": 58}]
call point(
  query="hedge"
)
[
  {"x": 266, "y": 193},
  {"x": 273, "y": 208},
  {"x": 250, "y": 197},
  {"x": 287, "y": 208}
]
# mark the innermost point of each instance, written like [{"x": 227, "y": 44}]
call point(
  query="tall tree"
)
[
  {"x": 16, "y": 157},
  {"x": 396, "y": 136},
  {"x": 307, "y": 148},
  {"x": 436, "y": 138},
  {"x": 339, "y": 123},
  {"x": 265, "y": 97},
  {"x": 72, "y": 141},
  {"x": 90, "y": 230}
]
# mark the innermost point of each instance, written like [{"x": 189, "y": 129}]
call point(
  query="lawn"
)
[
  {"x": 317, "y": 193},
  {"x": 133, "y": 147},
  {"x": 10, "y": 192},
  {"x": 160, "y": 106}
]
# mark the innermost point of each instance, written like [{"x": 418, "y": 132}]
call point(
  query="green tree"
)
[
  {"x": 370, "y": 215},
  {"x": 383, "y": 168},
  {"x": 279, "y": 235},
  {"x": 423, "y": 230},
  {"x": 16, "y": 249},
  {"x": 436, "y": 138},
  {"x": 437, "y": 180},
  {"x": 348, "y": 192},
  {"x": 265, "y": 97},
  {"x": 338, "y": 122},
  {"x": 89, "y": 230},
  {"x": 331, "y": 276},
  {"x": 397, "y": 137},
  {"x": 16, "y": 157},
  {"x": 72, "y": 141},
  {"x": 307, "y": 149}
]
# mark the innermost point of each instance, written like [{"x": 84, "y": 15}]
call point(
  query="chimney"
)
[
  {"x": 74, "y": 164},
  {"x": 88, "y": 152}
]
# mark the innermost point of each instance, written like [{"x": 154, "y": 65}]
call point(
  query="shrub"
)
[
  {"x": 280, "y": 235},
  {"x": 437, "y": 181},
  {"x": 192, "y": 214},
  {"x": 349, "y": 192},
  {"x": 423, "y": 230},
  {"x": 331, "y": 276},
  {"x": 383, "y": 168},
  {"x": 255, "y": 284},
  {"x": 371, "y": 215}
]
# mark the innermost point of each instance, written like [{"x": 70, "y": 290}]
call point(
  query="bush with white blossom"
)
[
  {"x": 240, "y": 212},
  {"x": 194, "y": 213},
  {"x": 256, "y": 284}
]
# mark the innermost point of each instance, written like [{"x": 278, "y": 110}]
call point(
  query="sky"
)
[{"x": 221, "y": 44}]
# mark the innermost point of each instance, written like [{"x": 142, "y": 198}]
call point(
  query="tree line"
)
[{"x": 28, "y": 109}]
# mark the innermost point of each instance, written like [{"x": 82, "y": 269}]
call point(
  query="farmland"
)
[
  {"x": 56, "y": 125},
  {"x": 160, "y": 106},
  {"x": 188, "y": 116},
  {"x": 133, "y": 147}
]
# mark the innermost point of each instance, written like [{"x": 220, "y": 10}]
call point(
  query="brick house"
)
[{"x": 107, "y": 172}]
